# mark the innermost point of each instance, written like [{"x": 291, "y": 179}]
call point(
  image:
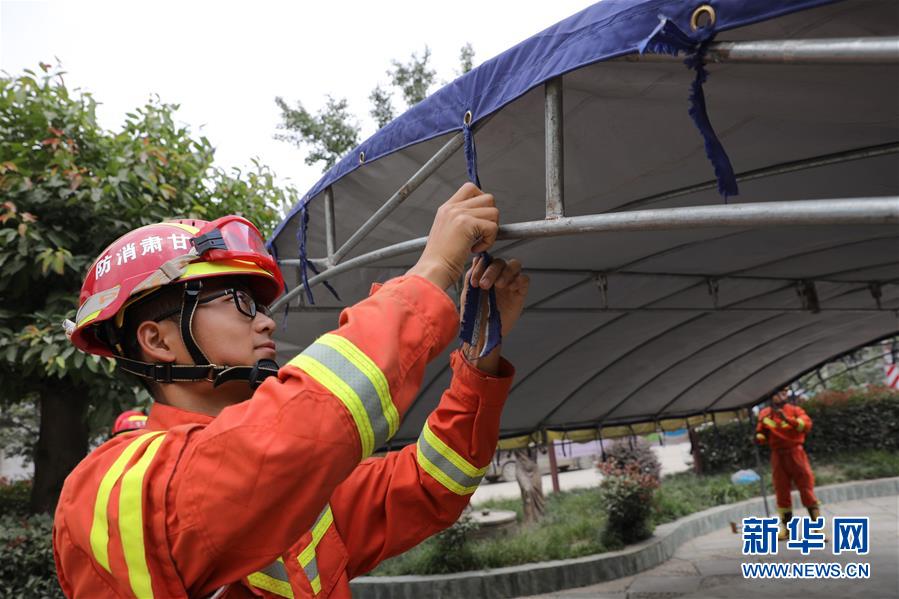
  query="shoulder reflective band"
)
[
  {"x": 345, "y": 371},
  {"x": 100, "y": 526},
  {"x": 449, "y": 468},
  {"x": 273, "y": 579},
  {"x": 769, "y": 422},
  {"x": 131, "y": 522},
  {"x": 307, "y": 556},
  {"x": 800, "y": 424}
]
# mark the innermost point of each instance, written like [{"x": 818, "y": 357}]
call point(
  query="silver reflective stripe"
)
[
  {"x": 276, "y": 570},
  {"x": 360, "y": 384},
  {"x": 311, "y": 570},
  {"x": 96, "y": 303},
  {"x": 446, "y": 466}
]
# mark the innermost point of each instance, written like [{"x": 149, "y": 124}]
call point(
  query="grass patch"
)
[{"x": 574, "y": 519}]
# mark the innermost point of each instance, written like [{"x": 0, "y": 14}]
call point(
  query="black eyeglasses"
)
[{"x": 243, "y": 301}]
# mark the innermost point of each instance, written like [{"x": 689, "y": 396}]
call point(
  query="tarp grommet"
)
[
  {"x": 361, "y": 157},
  {"x": 466, "y": 118},
  {"x": 703, "y": 17}
]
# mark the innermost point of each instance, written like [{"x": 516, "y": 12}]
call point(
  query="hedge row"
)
[{"x": 842, "y": 422}]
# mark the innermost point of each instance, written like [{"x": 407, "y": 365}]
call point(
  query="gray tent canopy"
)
[{"x": 653, "y": 301}]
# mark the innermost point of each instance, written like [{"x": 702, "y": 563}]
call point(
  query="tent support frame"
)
[
  {"x": 860, "y": 211},
  {"x": 555, "y": 165}
]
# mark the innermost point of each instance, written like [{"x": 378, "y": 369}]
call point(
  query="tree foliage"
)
[
  {"x": 69, "y": 188},
  {"x": 333, "y": 131},
  {"x": 413, "y": 78},
  {"x": 328, "y": 135},
  {"x": 466, "y": 58},
  {"x": 381, "y": 105}
]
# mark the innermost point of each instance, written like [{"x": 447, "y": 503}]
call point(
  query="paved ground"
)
[
  {"x": 709, "y": 566},
  {"x": 673, "y": 457}
]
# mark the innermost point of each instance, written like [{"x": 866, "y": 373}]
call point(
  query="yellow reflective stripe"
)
[
  {"x": 131, "y": 522},
  {"x": 88, "y": 318},
  {"x": 345, "y": 394},
  {"x": 440, "y": 476},
  {"x": 316, "y": 584},
  {"x": 272, "y": 585},
  {"x": 800, "y": 424},
  {"x": 769, "y": 422},
  {"x": 273, "y": 578},
  {"x": 306, "y": 558},
  {"x": 325, "y": 519},
  {"x": 449, "y": 453},
  {"x": 366, "y": 365},
  {"x": 202, "y": 269},
  {"x": 100, "y": 526}
]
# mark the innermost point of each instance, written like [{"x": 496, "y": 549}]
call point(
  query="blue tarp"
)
[{"x": 605, "y": 30}]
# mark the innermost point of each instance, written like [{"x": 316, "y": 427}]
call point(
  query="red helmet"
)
[
  {"x": 147, "y": 258},
  {"x": 130, "y": 420}
]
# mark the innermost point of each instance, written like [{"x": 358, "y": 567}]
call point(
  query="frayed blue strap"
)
[
  {"x": 305, "y": 264},
  {"x": 668, "y": 38},
  {"x": 472, "y": 314},
  {"x": 273, "y": 250}
]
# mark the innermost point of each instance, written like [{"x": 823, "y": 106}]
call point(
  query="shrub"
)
[
  {"x": 842, "y": 422},
  {"x": 634, "y": 451},
  {"x": 14, "y": 496},
  {"x": 627, "y": 494},
  {"x": 26, "y": 557}
]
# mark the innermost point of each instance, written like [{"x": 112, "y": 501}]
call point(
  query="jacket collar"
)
[{"x": 163, "y": 417}]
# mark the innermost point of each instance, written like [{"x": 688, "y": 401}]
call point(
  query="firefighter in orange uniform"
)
[
  {"x": 783, "y": 427},
  {"x": 129, "y": 420},
  {"x": 255, "y": 481}
]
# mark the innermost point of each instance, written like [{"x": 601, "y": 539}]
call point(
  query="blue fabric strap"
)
[
  {"x": 668, "y": 38},
  {"x": 305, "y": 264},
  {"x": 472, "y": 313}
]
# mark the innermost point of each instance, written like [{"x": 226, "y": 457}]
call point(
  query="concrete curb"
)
[{"x": 547, "y": 577}]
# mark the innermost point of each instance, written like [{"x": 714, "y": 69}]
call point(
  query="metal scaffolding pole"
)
[
  {"x": 420, "y": 176},
  {"x": 330, "y": 228},
  {"x": 858, "y": 211},
  {"x": 830, "y": 51},
  {"x": 555, "y": 164}
]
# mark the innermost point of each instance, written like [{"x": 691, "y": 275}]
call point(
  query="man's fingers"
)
[
  {"x": 508, "y": 274},
  {"x": 479, "y": 201},
  {"x": 491, "y": 273},
  {"x": 468, "y": 190},
  {"x": 477, "y": 271},
  {"x": 487, "y": 231}
]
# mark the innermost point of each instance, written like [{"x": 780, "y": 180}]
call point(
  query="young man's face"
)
[
  {"x": 781, "y": 397},
  {"x": 227, "y": 336}
]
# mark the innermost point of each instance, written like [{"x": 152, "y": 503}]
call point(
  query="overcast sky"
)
[{"x": 224, "y": 62}]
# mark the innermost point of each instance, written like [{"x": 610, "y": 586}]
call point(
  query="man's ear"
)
[{"x": 157, "y": 340}]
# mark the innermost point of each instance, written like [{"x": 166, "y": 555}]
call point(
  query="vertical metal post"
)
[
  {"x": 330, "y": 225},
  {"x": 553, "y": 464},
  {"x": 555, "y": 205}
]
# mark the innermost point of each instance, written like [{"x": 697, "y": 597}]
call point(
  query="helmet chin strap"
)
[{"x": 202, "y": 369}]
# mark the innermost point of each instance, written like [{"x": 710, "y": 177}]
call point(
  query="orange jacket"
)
[
  {"x": 782, "y": 433},
  {"x": 269, "y": 498}
]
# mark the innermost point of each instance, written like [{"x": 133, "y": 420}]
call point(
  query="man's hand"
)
[
  {"x": 511, "y": 287},
  {"x": 467, "y": 222}
]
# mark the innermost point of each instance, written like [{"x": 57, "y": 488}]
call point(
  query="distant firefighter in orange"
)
[{"x": 783, "y": 427}]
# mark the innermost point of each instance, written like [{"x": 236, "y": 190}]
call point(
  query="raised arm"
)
[{"x": 248, "y": 485}]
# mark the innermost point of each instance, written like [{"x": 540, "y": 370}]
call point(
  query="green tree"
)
[
  {"x": 413, "y": 78},
  {"x": 70, "y": 187},
  {"x": 466, "y": 58},
  {"x": 333, "y": 131},
  {"x": 328, "y": 134},
  {"x": 381, "y": 106}
]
